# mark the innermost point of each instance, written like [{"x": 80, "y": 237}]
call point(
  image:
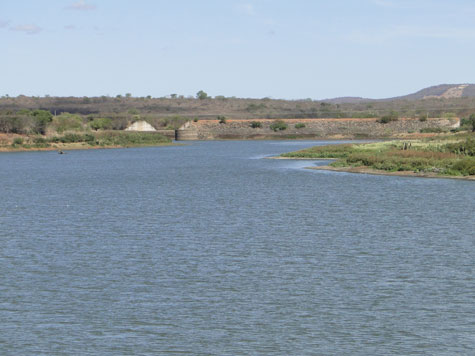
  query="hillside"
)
[
  {"x": 442, "y": 91},
  {"x": 17, "y": 113}
]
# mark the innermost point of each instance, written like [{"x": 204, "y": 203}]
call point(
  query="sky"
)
[{"x": 253, "y": 48}]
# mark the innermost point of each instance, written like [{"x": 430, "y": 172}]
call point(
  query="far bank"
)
[
  {"x": 74, "y": 141},
  {"x": 312, "y": 129}
]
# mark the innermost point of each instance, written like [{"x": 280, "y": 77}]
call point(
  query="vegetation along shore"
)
[
  {"x": 71, "y": 141},
  {"x": 448, "y": 155}
]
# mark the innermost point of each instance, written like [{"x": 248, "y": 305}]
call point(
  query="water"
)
[{"x": 207, "y": 249}]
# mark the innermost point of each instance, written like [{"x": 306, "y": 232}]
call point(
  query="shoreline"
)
[
  {"x": 367, "y": 170},
  {"x": 447, "y": 157},
  {"x": 75, "y": 147},
  {"x": 301, "y": 158}
]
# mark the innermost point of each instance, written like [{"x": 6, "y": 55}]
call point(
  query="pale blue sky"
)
[{"x": 251, "y": 48}]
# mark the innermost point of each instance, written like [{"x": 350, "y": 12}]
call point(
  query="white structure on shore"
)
[{"x": 140, "y": 126}]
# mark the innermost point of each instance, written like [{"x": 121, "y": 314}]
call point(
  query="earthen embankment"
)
[{"x": 309, "y": 128}]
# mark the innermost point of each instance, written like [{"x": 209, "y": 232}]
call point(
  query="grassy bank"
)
[
  {"x": 450, "y": 155},
  {"x": 104, "y": 139}
]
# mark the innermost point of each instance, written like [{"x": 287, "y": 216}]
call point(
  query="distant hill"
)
[
  {"x": 438, "y": 91},
  {"x": 173, "y": 111}
]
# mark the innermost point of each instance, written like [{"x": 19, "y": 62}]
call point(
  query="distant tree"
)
[
  {"x": 222, "y": 119},
  {"x": 392, "y": 116},
  {"x": 173, "y": 96},
  {"x": 149, "y": 97},
  {"x": 201, "y": 95},
  {"x": 128, "y": 95},
  {"x": 101, "y": 123},
  {"x": 67, "y": 122},
  {"x": 471, "y": 121},
  {"x": 42, "y": 119}
]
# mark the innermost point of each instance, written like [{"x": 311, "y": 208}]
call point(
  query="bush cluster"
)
[
  {"x": 466, "y": 148},
  {"x": 278, "y": 125},
  {"x": 330, "y": 151},
  {"x": 393, "y": 116},
  {"x": 26, "y": 122},
  {"x": 414, "y": 161}
]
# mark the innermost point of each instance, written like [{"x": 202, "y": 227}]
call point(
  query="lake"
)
[{"x": 208, "y": 249}]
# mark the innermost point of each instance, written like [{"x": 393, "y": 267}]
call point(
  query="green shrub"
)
[
  {"x": 17, "y": 141},
  {"x": 195, "y": 119},
  {"x": 466, "y": 148},
  {"x": 222, "y": 119},
  {"x": 101, "y": 123},
  {"x": 67, "y": 122},
  {"x": 89, "y": 138},
  {"x": 202, "y": 95},
  {"x": 130, "y": 138},
  {"x": 278, "y": 125},
  {"x": 465, "y": 166},
  {"x": 256, "y": 124},
  {"x": 299, "y": 125},
  {"x": 471, "y": 122},
  {"x": 71, "y": 138},
  {"x": 42, "y": 119},
  {"x": 392, "y": 116},
  {"x": 330, "y": 151}
]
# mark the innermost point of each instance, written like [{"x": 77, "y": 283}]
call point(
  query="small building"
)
[{"x": 140, "y": 126}]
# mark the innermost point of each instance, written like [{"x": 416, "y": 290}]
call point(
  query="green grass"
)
[
  {"x": 449, "y": 155},
  {"x": 101, "y": 139},
  {"x": 117, "y": 138}
]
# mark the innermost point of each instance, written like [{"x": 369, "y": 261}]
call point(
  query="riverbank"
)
[
  {"x": 312, "y": 129},
  {"x": 366, "y": 170},
  {"x": 445, "y": 156},
  {"x": 74, "y": 141}
]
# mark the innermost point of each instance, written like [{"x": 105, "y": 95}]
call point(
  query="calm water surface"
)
[{"x": 207, "y": 249}]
